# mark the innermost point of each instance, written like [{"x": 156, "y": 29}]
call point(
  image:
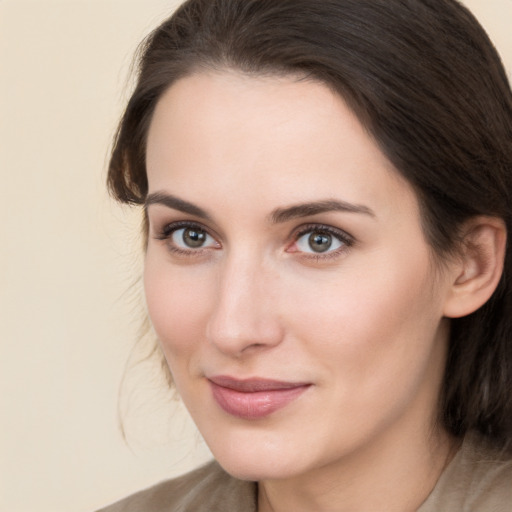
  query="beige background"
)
[{"x": 69, "y": 298}]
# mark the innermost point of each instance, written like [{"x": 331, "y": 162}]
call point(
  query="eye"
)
[
  {"x": 192, "y": 238},
  {"x": 187, "y": 238},
  {"x": 318, "y": 240}
]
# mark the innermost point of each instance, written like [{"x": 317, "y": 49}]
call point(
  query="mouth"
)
[{"x": 256, "y": 398}]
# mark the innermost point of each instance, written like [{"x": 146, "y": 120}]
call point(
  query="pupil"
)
[
  {"x": 320, "y": 242},
  {"x": 194, "y": 237}
]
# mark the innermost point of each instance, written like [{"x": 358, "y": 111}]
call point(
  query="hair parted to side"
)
[{"x": 425, "y": 80}]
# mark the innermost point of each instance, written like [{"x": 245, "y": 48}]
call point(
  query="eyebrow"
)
[
  {"x": 176, "y": 204},
  {"x": 279, "y": 215},
  {"x": 306, "y": 209}
]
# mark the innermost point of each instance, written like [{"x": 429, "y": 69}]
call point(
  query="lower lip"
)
[{"x": 254, "y": 405}]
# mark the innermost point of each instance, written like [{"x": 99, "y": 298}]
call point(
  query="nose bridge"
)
[{"x": 244, "y": 314}]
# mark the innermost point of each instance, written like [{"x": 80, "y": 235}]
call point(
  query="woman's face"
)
[{"x": 287, "y": 276}]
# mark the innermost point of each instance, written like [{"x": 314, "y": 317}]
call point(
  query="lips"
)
[{"x": 254, "y": 398}]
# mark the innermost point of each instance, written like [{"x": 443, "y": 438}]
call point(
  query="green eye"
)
[
  {"x": 319, "y": 242},
  {"x": 192, "y": 237}
]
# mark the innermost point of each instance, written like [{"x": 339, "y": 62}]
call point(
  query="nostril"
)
[{"x": 243, "y": 334}]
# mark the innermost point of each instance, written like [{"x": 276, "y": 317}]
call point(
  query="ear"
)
[{"x": 478, "y": 269}]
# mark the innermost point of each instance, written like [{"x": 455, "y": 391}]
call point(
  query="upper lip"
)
[{"x": 253, "y": 385}]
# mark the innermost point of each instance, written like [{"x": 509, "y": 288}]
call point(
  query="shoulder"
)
[
  {"x": 479, "y": 478},
  {"x": 207, "y": 489}
]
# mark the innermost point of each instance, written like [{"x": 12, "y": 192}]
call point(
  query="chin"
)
[
  {"x": 258, "y": 457},
  {"x": 258, "y": 470}
]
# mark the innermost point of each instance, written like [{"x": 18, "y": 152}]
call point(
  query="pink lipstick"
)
[{"x": 254, "y": 398}]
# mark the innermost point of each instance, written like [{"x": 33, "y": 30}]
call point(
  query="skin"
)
[{"x": 363, "y": 323}]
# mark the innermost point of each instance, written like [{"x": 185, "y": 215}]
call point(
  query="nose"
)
[{"x": 245, "y": 317}]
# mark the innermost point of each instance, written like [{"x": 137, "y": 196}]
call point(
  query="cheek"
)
[
  {"x": 375, "y": 318},
  {"x": 373, "y": 335},
  {"x": 178, "y": 303}
]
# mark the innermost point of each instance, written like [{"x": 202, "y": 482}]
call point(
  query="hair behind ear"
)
[{"x": 478, "y": 378}]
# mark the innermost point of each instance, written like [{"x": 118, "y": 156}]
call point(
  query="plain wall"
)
[{"x": 69, "y": 260}]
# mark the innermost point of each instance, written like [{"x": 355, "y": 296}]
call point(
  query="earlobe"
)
[{"x": 478, "y": 269}]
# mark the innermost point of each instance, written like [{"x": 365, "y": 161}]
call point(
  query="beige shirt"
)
[{"x": 478, "y": 479}]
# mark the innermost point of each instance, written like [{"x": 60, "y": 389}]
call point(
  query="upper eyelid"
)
[
  {"x": 159, "y": 219},
  {"x": 174, "y": 226},
  {"x": 161, "y": 228},
  {"x": 306, "y": 228}
]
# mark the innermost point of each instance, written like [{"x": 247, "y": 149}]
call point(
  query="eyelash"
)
[
  {"x": 168, "y": 230},
  {"x": 347, "y": 241}
]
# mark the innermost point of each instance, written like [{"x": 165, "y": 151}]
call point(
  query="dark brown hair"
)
[{"x": 427, "y": 83}]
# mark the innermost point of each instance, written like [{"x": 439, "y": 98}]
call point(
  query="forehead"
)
[{"x": 280, "y": 139}]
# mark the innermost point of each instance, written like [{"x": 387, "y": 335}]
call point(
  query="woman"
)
[{"x": 326, "y": 189}]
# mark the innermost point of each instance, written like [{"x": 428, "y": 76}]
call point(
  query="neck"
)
[{"x": 392, "y": 475}]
